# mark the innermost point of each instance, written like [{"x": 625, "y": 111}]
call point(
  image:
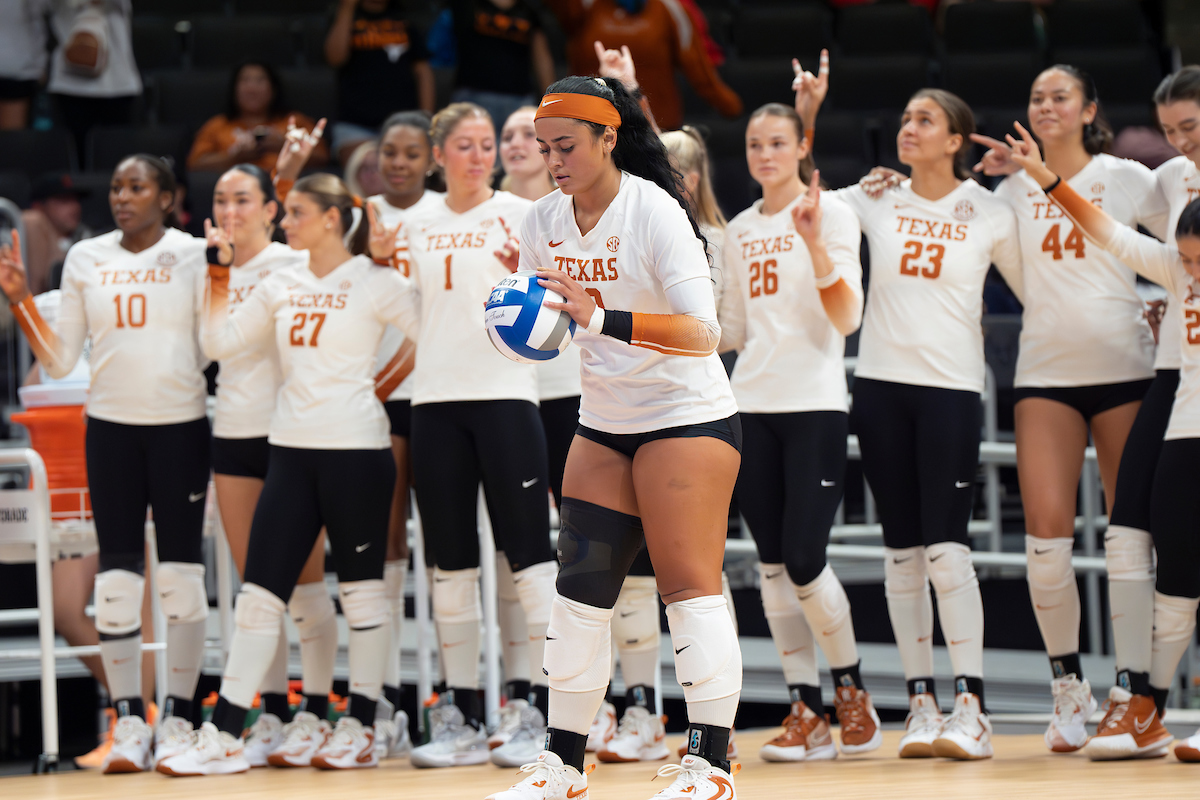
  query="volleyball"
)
[{"x": 519, "y": 324}]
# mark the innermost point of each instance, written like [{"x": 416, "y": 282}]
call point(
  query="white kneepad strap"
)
[
  {"x": 456, "y": 596},
  {"x": 1048, "y": 562},
  {"x": 181, "y": 592},
  {"x": 708, "y": 659},
  {"x": 904, "y": 571},
  {"x": 119, "y": 602},
  {"x": 535, "y": 589},
  {"x": 635, "y": 617},
  {"x": 1128, "y": 554},
  {"x": 950, "y": 569},
  {"x": 777, "y": 590},
  {"x": 258, "y": 611},
  {"x": 311, "y": 605},
  {"x": 364, "y": 604},
  {"x": 578, "y": 646}
]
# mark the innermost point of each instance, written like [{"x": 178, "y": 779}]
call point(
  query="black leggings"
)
[
  {"x": 132, "y": 466},
  {"x": 791, "y": 484},
  {"x": 1174, "y": 509},
  {"x": 560, "y": 418},
  {"x": 920, "y": 454},
  {"x": 1135, "y": 477},
  {"x": 455, "y": 446},
  {"x": 347, "y": 491}
]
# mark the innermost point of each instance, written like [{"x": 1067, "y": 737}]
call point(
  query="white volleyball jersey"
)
[
  {"x": 326, "y": 331},
  {"x": 454, "y": 268},
  {"x": 390, "y": 217},
  {"x": 1084, "y": 323},
  {"x": 791, "y": 356},
  {"x": 142, "y": 312},
  {"x": 1178, "y": 184},
  {"x": 48, "y": 305},
  {"x": 559, "y": 377},
  {"x": 929, "y": 259},
  {"x": 642, "y": 245},
  {"x": 249, "y": 380},
  {"x": 715, "y": 237}
]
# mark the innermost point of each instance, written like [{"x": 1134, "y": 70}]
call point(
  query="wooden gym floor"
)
[{"x": 1022, "y": 768}]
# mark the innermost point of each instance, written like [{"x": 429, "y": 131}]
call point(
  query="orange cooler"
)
[{"x": 54, "y": 417}]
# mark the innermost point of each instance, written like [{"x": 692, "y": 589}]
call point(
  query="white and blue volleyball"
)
[{"x": 519, "y": 324}]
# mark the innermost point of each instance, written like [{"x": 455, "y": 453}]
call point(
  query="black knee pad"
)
[
  {"x": 804, "y": 565},
  {"x": 641, "y": 564},
  {"x": 596, "y": 546}
]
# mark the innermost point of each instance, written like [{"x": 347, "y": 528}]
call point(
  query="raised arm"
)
[
  {"x": 834, "y": 252},
  {"x": 59, "y": 351},
  {"x": 223, "y": 334}
]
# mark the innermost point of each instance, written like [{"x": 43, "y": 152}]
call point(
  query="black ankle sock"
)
[
  {"x": 362, "y": 709},
  {"x": 277, "y": 704},
  {"x": 568, "y": 746},
  {"x": 316, "y": 704},
  {"x": 470, "y": 704},
  {"x": 809, "y": 695},
  {"x": 516, "y": 690},
  {"x": 1062, "y": 666},
  {"x": 963, "y": 683},
  {"x": 710, "y": 743},
  {"x": 392, "y": 695},
  {"x": 1160, "y": 699},
  {"x": 229, "y": 718},
  {"x": 640, "y": 695},
  {"x": 847, "y": 676},
  {"x": 922, "y": 686},
  {"x": 178, "y": 707},
  {"x": 130, "y": 707},
  {"x": 539, "y": 698},
  {"x": 1134, "y": 682}
]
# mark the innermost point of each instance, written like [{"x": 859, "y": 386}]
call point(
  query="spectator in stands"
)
[
  {"x": 52, "y": 225},
  {"x": 502, "y": 53},
  {"x": 93, "y": 75},
  {"x": 361, "y": 173},
  {"x": 253, "y": 126},
  {"x": 660, "y": 36},
  {"x": 22, "y": 59},
  {"x": 383, "y": 67}
]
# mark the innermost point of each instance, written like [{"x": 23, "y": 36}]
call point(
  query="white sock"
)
[
  {"x": 276, "y": 679},
  {"x": 185, "y": 654},
  {"x": 394, "y": 573},
  {"x": 828, "y": 612},
  {"x": 789, "y": 629},
  {"x": 318, "y": 636},
  {"x": 636, "y": 631},
  {"x": 510, "y": 618},
  {"x": 910, "y": 608},
  {"x": 578, "y": 662},
  {"x": 458, "y": 613},
  {"x": 708, "y": 659},
  {"x": 259, "y": 615},
  {"x": 1054, "y": 593},
  {"x": 1174, "y": 624},
  {"x": 123, "y": 665},
  {"x": 367, "y": 650},
  {"x": 535, "y": 587},
  {"x": 1129, "y": 555},
  {"x": 960, "y": 605}
]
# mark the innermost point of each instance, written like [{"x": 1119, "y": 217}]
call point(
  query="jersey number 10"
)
[{"x": 132, "y": 311}]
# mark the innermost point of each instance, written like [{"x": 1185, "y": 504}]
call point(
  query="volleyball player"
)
[
  {"x": 916, "y": 403},
  {"x": 137, "y": 293},
  {"x": 795, "y": 293},
  {"x": 656, "y": 453}
]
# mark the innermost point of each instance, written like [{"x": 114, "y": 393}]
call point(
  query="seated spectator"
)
[
  {"x": 52, "y": 225},
  {"x": 253, "y": 126},
  {"x": 361, "y": 172},
  {"x": 22, "y": 59},
  {"x": 383, "y": 67}
]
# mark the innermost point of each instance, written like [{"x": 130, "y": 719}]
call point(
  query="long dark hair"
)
[
  {"x": 1097, "y": 134},
  {"x": 638, "y": 151},
  {"x": 274, "y": 110},
  {"x": 260, "y": 177},
  {"x": 162, "y": 173},
  {"x": 1189, "y": 221},
  {"x": 961, "y": 120}
]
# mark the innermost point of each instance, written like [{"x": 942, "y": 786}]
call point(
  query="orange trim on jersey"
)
[
  {"x": 217, "y": 294},
  {"x": 397, "y": 369},
  {"x": 585, "y": 107},
  {"x": 42, "y": 338},
  {"x": 283, "y": 186},
  {"x": 842, "y": 306},
  {"x": 673, "y": 334},
  {"x": 1095, "y": 223}
]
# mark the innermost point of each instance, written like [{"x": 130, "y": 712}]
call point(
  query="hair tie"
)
[
  {"x": 358, "y": 201},
  {"x": 585, "y": 107}
]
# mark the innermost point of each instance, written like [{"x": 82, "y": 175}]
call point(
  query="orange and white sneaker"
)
[
  {"x": 1189, "y": 749},
  {"x": 94, "y": 758},
  {"x": 922, "y": 727},
  {"x": 172, "y": 736},
  {"x": 805, "y": 737},
  {"x": 211, "y": 752},
  {"x": 132, "y": 748},
  {"x": 1131, "y": 729},
  {"x": 604, "y": 727},
  {"x": 967, "y": 734},
  {"x": 302, "y": 738},
  {"x": 263, "y": 737},
  {"x": 352, "y": 746},
  {"x": 696, "y": 778},
  {"x": 1073, "y": 707},
  {"x": 861, "y": 729},
  {"x": 641, "y": 736},
  {"x": 547, "y": 778},
  {"x": 510, "y": 722}
]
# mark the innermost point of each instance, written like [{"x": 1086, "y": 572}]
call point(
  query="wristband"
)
[
  {"x": 213, "y": 254},
  {"x": 811, "y": 135},
  {"x": 596, "y": 324},
  {"x": 1053, "y": 186},
  {"x": 618, "y": 325}
]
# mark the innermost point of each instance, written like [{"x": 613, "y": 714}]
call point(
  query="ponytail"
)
[{"x": 328, "y": 192}]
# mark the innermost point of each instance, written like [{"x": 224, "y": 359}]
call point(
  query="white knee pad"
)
[
  {"x": 311, "y": 605},
  {"x": 778, "y": 592},
  {"x": 708, "y": 658},
  {"x": 1128, "y": 554},
  {"x": 505, "y": 588},
  {"x": 904, "y": 571},
  {"x": 535, "y": 588},
  {"x": 635, "y": 617},
  {"x": 119, "y": 602},
  {"x": 1048, "y": 563},
  {"x": 578, "y": 646},
  {"x": 950, "y": 569},
  {"x": 258, "y": 611},
  {"x": 181, "y": 592},
  {"x": 364, "y": 604},
  {"x": 1174, "y": 618},
  {"x": 456, "y": 596}
]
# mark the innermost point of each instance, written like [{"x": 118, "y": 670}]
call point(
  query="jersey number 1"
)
[
  {"x": 134, "y": 311},
  {"x": 297, "y": 332}
]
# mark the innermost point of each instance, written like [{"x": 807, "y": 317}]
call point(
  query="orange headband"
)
[{"x": 579, "y": 106}]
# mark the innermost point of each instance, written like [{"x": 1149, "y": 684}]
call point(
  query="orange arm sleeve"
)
[
  {"x": 218, "y": 294},
  {"x": 42, "y": 338},
  {"x": 842, "y": 306},
  {"x": 397, "y": 369},
  {"x": 673, "y": 334}
]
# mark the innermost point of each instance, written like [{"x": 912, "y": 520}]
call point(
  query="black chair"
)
[
  {"x": 868, "y": 84},
  {"x": 844, "y": 135},
  {"x": 223, "y": 42},
  {"x": 312, "y": 91},
  {"x": 200, "y": 189},
  {"x": 107, "y": 144},
  {"x": 157, "y": 43},
  {"x": 190, "y": 98},
  {"x": 838, "y": 172},
  {"x": 991, "y": 27},
  {"x": 288, "y": 7},
  {"x": 1096, "y": 23},
  {"x": 760, "y": 82},
  {"x": 996, "y": 121},
  {"x": 179, "y": 8},
  {"x": 885, "y": 30},
  {"x": 97, "y": 214},
  {"x": 725, "y": 138},
  {"x": 1122, "y": 74},
  {"x": 991, "y": 79},
  {"x": 313, "y": 30},
  {"x": 781, "y": 31},
  {"x": 733, "y": 186},
  {"x": 15, "y": 186},
  {"x": 1122, "y": 116},
  {"x": 36, "y": 152}
]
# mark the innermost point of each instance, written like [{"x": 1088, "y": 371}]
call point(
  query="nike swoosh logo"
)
[
  {"x": 1037, "y": 552},
  {"x": 773, "y": 575},
  {"x": 961, "y": 484},
  {"x": 924, "y": 638},
  {"x": 442, "y": 580},
  {"x": 167, "y": 593},
  {"x": 680, "y": 650},
  {"x": 935, "y": 558},
  {"x": 113, "y": 599},
  {"x": 797, "y": 650},
  {"x": 959, "y": 641},
  {"x": 832, "y": 632},
  {"x": 1047, "y": 608},
  {"x": 556, "y": 244},
  {"x": 828, "y": 483},
  {"x": 1140, "y": 726},
  {"x": 549, "y": 102},
  {"x": 551, "y": 638},
  {"x": 629, "y": 614},
  {"x": 571, "y": 793},
  {"x": 902, "y": 560},
  {"x": 1034, "y": 194},
  {"x": 454, "y": 644},
  {"x": 1109, "y": 538},
  {"x": 361, "y": 547},
  {"x": 194, "y": 497},
  {"x": 528, "y": 483},
  {"x": 901, "y": 205}
]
